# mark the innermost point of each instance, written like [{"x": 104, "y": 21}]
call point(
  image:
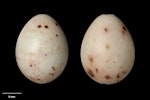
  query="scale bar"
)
[
  {"x": 9, "y": 96},
  {"x": 11, "y": 92}
]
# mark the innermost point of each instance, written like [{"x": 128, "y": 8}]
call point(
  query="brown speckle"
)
[
  {"x": 124, "y": 72},
  {"x": 105, "y": 29},
  {"x": 33, "y": 65},
  {"x": 45, "y": 54},
  {"x": 38, "y": 79},
  {"x": 118, "y": 75},
  {"x": 124, "y": 28},
  {"x": 107, "y": 46},
  {"x": 56, "y": 35},
  {"x": 91, "y": 73},
  {"x": 107, "y": 77},
  {"x": 53, "y": 68},
  {"x": 39, "y": 26},
  {"x": 90, "y": 59},
  {"x": 46, "y": 26},
  {"x": 121, "y": 67},
  {"x": 106, "y": 61},
  {"x": 52, "y": 74},
  {"x": 56, "y": 24},
  {"x": 96, "y": 70},
  {"x": 30, "y": 65},
  {"x": 114, "y": 61}
]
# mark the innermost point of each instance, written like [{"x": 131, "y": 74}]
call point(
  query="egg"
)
[
  {"x": 107, "y": 51},
  {"x": 41, "y": 49}
]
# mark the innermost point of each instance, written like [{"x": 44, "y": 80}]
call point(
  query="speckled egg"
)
[
  {"x": 41, "y": 49},
  {"x": 107, "y": 50}
]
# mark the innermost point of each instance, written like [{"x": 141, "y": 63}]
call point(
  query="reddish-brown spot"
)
[
  {"x": 46, "y": 26},
  {"x": 56, "y": 35},
  {"x": 96, "y": 70},
  {"x": 33, "y": 64},
  {"x": 53, "y": 68},
  {"x": 124, "y": 72},
  {"x": 56, "y": 24},
  {"x": 30, "y": 65},
  {"x": 118, "y": 75},
  {"x": 52, "y": 74},
  {"x": 124, "y": 28},
  {"x": 91, "y": 73},
  {"x": 107, "y": 77},
  {"x": 105, "y": 29},
  {"x": 107, "y": 46},
  {"x": 39, "y": 26},
  {"x": 90, "y": 59},
  {"x": 38, "y": 79}
]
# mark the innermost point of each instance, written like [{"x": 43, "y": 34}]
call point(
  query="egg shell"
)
[
  {"x": 41, "y": 49},
  {"x": 107, "y": 50}
]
